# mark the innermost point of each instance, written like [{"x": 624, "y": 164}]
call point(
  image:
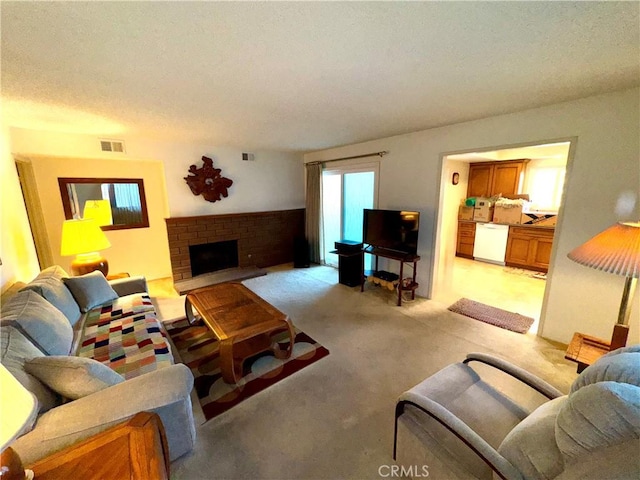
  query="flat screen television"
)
[{"x": 392, "y": 229}]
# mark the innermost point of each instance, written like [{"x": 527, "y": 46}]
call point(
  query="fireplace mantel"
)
[{"x": 264, "y": 238}]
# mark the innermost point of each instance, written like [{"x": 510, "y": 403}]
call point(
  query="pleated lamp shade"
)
[{"x": 616, "y": 250}]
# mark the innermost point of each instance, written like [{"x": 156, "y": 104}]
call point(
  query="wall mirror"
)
[{"x": 115, "y": 203}]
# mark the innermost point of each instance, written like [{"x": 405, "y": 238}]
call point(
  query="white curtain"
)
[
  {"x": 127, "y": 196},
  {"x": 313, "y": 215}
]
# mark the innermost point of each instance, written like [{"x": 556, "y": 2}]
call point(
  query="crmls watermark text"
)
[{"x": 413, "y": 471}]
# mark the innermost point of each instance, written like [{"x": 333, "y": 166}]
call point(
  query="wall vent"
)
[
  {"x": 112, "y": 146},
  {"x": 248, "y": 157}
]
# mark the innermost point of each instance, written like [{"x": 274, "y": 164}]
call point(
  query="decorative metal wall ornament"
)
[{"x": 208, "y": 181}]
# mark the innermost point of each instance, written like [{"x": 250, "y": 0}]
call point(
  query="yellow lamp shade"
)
[
  {"x": 99, "y": 210},
  {"x": 82, "y": 236}
]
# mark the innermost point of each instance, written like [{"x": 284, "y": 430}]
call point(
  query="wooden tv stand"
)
[{"x": 402, "y": 258}]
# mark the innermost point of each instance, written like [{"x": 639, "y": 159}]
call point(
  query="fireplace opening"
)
[{"x": 211, "y": 257}]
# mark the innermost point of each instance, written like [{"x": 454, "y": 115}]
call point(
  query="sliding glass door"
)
[{"x": 346, "y": 192}]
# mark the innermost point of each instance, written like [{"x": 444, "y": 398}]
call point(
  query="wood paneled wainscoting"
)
[{"x": 264, "y": 238}]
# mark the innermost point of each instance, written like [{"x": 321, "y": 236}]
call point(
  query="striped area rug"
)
[
  {"x": 198, "y": 349},
  {"x": 492, "y": 315}
]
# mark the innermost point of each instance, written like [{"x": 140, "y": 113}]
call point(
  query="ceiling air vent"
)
[
  {"x": 248, "y": 157},
  {"x": 112, "y": 146}
]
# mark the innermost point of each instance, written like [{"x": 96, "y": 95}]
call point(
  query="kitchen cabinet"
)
[
  {"x": 529, "y": 247},
  {"x": 466, "y": 239},
  {"x": 487, "y": 179}
]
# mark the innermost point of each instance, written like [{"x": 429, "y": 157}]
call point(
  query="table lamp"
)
[
  {"x": 85, "y": 239},
  {"x": 99, "y": 210},
  {"x": 615, "y": 250},
  {"x": 18, "y": 407}
]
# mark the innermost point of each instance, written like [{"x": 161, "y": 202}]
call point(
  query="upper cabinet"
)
[{"x": 487, "y": 179}]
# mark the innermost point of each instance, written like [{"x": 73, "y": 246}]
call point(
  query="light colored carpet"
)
[{"x": 334, "y": 419}]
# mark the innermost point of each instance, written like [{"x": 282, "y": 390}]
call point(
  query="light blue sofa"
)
[{"x": 49, "y": 339}]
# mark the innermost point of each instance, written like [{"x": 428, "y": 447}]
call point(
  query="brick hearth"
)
[{"x": 264, "y": 238}]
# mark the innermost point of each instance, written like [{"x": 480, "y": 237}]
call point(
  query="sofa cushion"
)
[
  {"x": 40, "y": 321},
  {"x": 49, "y": 285},
  {"x": 531, "y": 446},
  {"x": 15, "y": 350},
  {"x": 90, "y": 290},
  {"x": 72, "y": 377},
  {"x": 598, "y": 416}
]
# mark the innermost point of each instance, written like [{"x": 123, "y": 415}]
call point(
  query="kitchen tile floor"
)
[{"x": 511, "y": 289}]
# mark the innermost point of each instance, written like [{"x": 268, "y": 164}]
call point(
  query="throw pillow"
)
[
  {"x": 72, "y": 377},
  {"x": 48, "y": 284},
  {"x": 90, "y": 290}
]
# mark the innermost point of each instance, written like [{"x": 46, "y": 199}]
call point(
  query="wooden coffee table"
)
[{"x": 242, "y": 322}]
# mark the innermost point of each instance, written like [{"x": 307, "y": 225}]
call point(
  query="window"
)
[
  {"x": 544, "y": 184},
  {"x": 346, "y": 192}
]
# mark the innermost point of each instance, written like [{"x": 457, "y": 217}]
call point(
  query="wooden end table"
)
[
  {"x": 585, "y": 350},
  {"x": 242, "y": 322},
  {"x": 134, "y": 450}
]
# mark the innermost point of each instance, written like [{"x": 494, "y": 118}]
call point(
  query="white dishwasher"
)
[{"x": 491, "y": 242}]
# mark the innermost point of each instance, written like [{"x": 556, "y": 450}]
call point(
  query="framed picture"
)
[{"x": 455, "y": 179}]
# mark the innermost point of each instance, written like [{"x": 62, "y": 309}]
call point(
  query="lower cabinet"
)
[
  {"x": 466, "y": 239},
  {"x": 529, "y": 247}
]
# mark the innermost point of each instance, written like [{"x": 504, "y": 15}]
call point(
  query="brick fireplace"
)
[{"x": 263, "y": 238}]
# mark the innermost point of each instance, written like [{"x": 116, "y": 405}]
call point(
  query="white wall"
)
[
  {"x": 605, "y": 164},
  {"x": 274, "y": 181},
  {"x": 452, "y": 195},
  {"x": 137, "y": 251},
  {"x": 17, "y": 251}
]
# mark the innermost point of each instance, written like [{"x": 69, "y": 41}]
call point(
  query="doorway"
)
[
  {"x": 511, "y": 288},
  {"x": 346, "y": 192}
]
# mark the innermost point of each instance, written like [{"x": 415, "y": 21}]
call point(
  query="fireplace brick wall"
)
[{"x": 264, "y": 238}]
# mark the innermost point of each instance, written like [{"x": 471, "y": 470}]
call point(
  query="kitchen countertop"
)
[{"x": 545, "y": 227}]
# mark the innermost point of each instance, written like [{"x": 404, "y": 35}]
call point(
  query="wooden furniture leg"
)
[
  {"x": 233, "y": 351},
  {"x": 226, "y": 361},
  {"x": 277, "y": 351},
  {"x": 619, "y": 337},
  {"x": 400, "y": 284}
]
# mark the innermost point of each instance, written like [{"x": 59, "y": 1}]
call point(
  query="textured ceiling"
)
[{"x": 303, "y": 76}]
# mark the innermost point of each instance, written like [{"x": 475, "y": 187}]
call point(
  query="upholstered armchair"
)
[{"x": 458, "y": 424}]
